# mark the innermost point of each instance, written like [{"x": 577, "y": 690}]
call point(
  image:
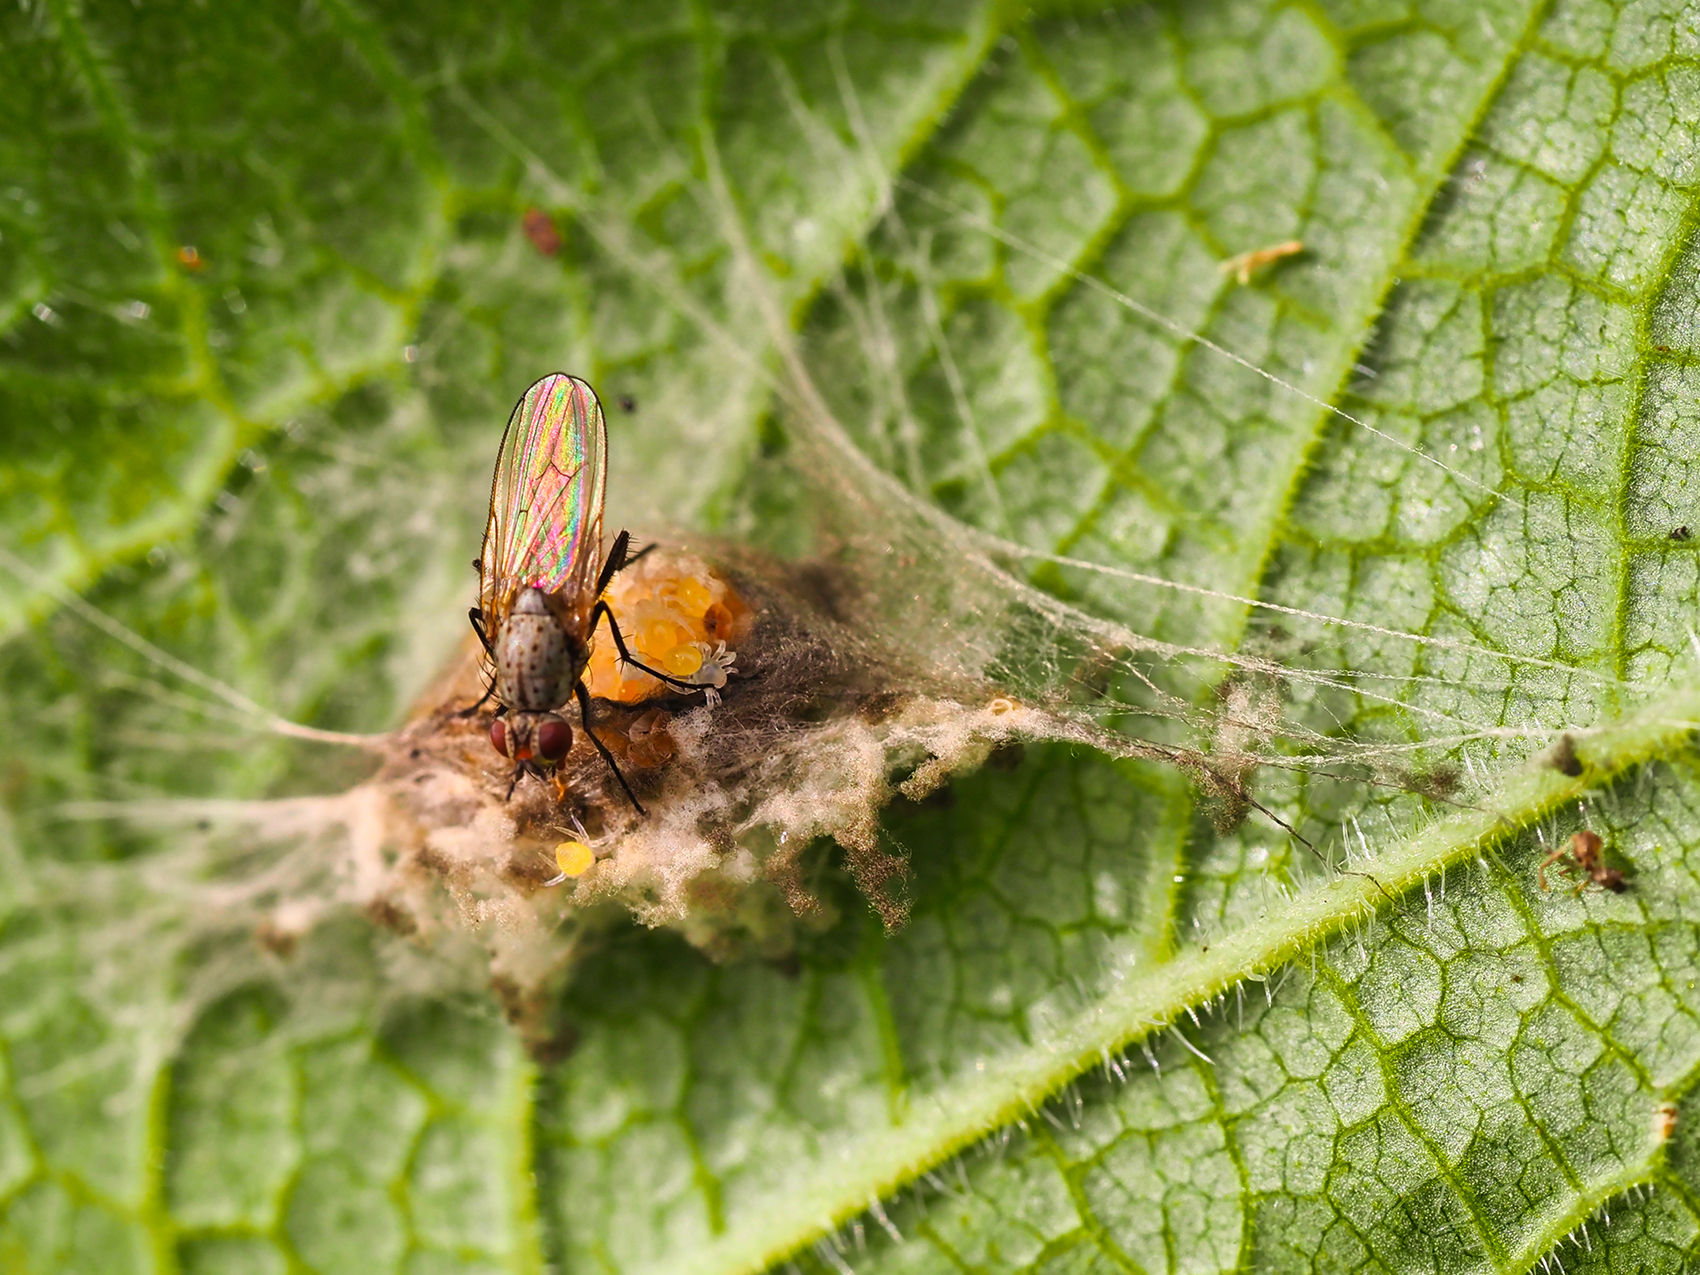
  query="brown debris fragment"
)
[
  {"x": 541, "y": 231},
  {"x": 531, "y": 1010},
  {"x": 1664, "y": 1121},
  {"x": 386, "y": 912},
  {"x": 280, "y": 941},
  {"x": 1562, "y": 757},
  {"x": 1245, "y": 264}
]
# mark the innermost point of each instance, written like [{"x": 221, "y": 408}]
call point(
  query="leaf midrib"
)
[{"x": 1155, "y": 1000}]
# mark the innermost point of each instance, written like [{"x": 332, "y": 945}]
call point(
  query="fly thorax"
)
[{"x": 537, "y": 662}]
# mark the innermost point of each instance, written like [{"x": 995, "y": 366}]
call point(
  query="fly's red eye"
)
[
  {"x": 499, "y": 736},
  {"x": 554, "y": 740}
]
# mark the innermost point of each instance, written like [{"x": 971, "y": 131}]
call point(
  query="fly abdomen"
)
[{"x": 536, "y": 662}]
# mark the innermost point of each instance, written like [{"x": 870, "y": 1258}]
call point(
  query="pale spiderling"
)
[{"x": 717, "y": 666}]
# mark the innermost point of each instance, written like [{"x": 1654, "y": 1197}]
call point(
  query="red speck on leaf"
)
[{"x": 541, "y": 231}]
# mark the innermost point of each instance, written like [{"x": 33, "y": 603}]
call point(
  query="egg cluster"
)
[{"x": 677, "y": 616}]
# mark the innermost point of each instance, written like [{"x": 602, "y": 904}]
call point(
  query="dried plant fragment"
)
[
  {"x": 1562, "y": 757},
  {"x": 1664, "y": 1121},
  {"x": 540, "y": 229},
  {"x": 1244, "y": 265}
]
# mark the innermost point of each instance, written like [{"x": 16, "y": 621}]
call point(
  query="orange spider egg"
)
[
  {"x": 680, "y": 618},
  {"x": 691, "y": 595},
  {"x": 682, "y": 660}
]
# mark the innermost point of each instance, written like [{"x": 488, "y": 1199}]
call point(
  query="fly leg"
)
[
  {"x": 521, "y": 770},
  {"x": 482, "y": 700},
  {"x": 603, "y": 609},
  {"x": 476, "y": 615},
  {"x": 583, "y": 693},
  {"x": 616, "y": 561},
  {"x": 619, "y": 558}
]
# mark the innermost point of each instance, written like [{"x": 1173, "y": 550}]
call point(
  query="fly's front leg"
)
[
  {"x": 476, "y": 615},
  {"x": 602, "y": 609}
]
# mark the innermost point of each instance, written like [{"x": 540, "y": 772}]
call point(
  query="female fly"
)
[{"x": 540, "y": 583}]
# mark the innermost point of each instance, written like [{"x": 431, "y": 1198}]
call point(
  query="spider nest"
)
[{"x": 798, "y": 735}]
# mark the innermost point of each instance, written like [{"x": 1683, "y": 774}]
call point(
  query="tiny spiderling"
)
[{"x": 1582, "y": 858}]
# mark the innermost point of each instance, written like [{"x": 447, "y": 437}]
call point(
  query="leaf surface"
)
[{"x": 270, "y": 453}]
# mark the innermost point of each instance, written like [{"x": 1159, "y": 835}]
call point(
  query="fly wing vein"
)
[{"x": 545, "y": 521}]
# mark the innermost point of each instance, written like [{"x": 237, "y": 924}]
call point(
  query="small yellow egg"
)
[
  {"x": 574, "y": 858},
  {"x": 692, "y": 596},
  {"x": 657, "y": 637},
  {"x": 682, "y": 661}
]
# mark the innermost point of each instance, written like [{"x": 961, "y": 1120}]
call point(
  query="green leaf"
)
[{"x": 946, "y": 232}]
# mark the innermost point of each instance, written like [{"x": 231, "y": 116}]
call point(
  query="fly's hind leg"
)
[{"x": 619, "y": 558}]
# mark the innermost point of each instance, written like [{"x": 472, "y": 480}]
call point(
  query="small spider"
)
[{"x": 1583, "y": 855}]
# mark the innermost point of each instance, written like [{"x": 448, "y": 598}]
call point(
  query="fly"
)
[{"x": 541, "y": 576}]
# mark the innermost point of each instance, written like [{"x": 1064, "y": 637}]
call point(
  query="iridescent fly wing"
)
[{"x": 545, "y": 528}]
